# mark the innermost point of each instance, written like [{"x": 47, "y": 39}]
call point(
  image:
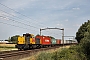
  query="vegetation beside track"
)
[
  {"x": 34, "y": 56},
  {"x": 66, "y": 53},
  {"x": 7, "y": 47},
  {"x": 62, "y": 54},
  {"x": 78, "y": 52}
]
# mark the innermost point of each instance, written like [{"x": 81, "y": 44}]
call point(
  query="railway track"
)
[{"x": 15, "y": 55}]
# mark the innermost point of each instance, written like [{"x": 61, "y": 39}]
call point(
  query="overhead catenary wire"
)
[
  {"x": 19, "y": 13},
  {"x": 15, "y": 16},
  {"x": 18, "y": 17},
  {"x": 20, "y": 21},
  {"x": 17, "y": 21},
  {"x": 13, "y": 25}
]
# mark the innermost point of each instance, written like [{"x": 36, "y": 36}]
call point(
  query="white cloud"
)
[
  {"x": 76, "y": 8},
  {"x": 59, "y": 24}
]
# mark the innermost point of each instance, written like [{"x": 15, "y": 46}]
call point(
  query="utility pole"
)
[
  {"x": 63, "y": 36},
  {"x": 40, "y": 32}
]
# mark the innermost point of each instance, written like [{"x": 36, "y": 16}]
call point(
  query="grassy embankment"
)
[
  {"x": 51, "y": 51},
  {"x": 7, "y": 47},
  {"x": 72, "y": 53}
]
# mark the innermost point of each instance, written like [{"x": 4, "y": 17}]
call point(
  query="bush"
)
[
  {"x": 44, "y": 56},
  {"x": 65, "y": 54},
  {"x": 68, "y": 54}
]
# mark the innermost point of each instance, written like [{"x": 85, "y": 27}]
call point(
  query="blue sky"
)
[{"x": 31, "y": 15}]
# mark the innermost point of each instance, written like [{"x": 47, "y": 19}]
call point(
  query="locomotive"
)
[{"x": 29, "y": 41}]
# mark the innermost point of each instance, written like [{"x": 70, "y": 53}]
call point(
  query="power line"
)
[
  {"x": 18, "y": 22},
  {"x": 18, "y": 12},
  {"x": 13, "y": 25},
  {"x": 23, "y": 24},
  {"x": 15, "y": 16},
  {"x": 15, "y": 20},
  {"x": 18, "y": 17}
]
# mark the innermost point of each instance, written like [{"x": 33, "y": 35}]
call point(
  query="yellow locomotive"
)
[{"x": 27, "y": 41}]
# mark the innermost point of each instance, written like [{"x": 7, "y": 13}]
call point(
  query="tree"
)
[
  {"x": 14, "y": 38},
  {"x": 85, "y": 43},
  {"x": 9, "y": 39},
  {"x": 83, "y": 36},
  {"x": 82, "y": 30}
]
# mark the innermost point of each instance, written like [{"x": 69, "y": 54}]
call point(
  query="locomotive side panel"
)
[{"x": 21, "y": 40}]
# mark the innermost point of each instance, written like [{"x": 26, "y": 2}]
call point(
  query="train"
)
[{"x": 29, "y": 41}]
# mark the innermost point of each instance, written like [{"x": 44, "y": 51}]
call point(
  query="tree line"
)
[{"x": 13, "y": 39}]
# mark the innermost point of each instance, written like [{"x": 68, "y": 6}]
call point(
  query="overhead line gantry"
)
[{"x": 55, "y": 28}]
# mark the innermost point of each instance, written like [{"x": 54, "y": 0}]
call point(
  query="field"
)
[{"x": 7, "y": 47}]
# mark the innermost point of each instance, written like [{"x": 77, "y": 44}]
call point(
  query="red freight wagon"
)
[
  {"x": 58, "y": 41},
  {"x": 45, "y": 40}
]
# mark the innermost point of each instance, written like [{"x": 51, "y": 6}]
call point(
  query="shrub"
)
[
  {"x": 65, "y": 54},
  {"x": 44, "y": 56}
]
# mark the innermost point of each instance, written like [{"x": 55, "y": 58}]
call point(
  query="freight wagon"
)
[
  {"x": 53, "y": 41},
  {"x": 45, "y": 40}
]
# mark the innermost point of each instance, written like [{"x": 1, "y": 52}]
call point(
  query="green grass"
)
[
  {"x": 7, "y": 47},
  {"x": 59, "y": 54},
  {"x": 43, "y": 53},
  {"x": 62, "y": 54}
]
